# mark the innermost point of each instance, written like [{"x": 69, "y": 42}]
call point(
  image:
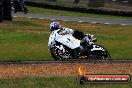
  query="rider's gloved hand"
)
[{"x": 64, "y": 31}]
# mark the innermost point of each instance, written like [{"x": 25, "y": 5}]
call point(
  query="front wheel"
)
[
  {"x": 101, "y": 53},
  {"x": 58, "y": 54}
]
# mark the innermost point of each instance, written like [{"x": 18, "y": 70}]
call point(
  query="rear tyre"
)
[{"x": 57, "y": 54}]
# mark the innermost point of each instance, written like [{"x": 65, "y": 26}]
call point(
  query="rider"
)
[
  {"x": 61, "y": 31},
  {"x": 56, "y": 27}
]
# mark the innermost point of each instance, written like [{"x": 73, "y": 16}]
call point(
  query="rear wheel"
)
[{"x": 58, "y": 54}]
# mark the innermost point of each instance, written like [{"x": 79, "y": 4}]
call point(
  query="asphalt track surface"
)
[
  {"x": 65, "y": 62},
  {"x": 78, "y": 19}
]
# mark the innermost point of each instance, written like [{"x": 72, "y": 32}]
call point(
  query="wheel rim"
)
[
  {"x": 104, "y": 54},
  {"x": 62, "y": 55}
]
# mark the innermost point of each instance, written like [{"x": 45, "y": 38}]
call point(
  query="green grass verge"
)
[
  {"x": 31, "y": 44},
  {"x": 16, "y": 46},
  {"x": 23, "y": 46},
  {"x": 53, "y": 82},
  {"x": 69, "y": 13}
]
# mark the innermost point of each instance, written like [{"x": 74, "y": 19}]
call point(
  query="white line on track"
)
[
  {"x": 106, "y": 23},
  {"x": 123, "y": 24},
  {"x": 15, "y": 16},
  {"x": 41, "y": 18},
  {"x": 80, "y": 21},
  {"x": 94, "y": 22},
  {"x": 30, "y": 17},
  {"x": 52, "y": 19},
  {"x": 64, "y": 20}
]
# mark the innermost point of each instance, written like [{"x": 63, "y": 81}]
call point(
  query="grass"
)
[
  {"x": 26, "y": 39},
  {"x": 22, "y": 46},
  {"x": 53, "y": 82},
  {"x": 69, "y": 13}
]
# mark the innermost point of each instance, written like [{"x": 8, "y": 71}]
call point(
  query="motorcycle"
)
[
  {"x": 18, "y": 6},
  {"x": 76, "y": 46}
]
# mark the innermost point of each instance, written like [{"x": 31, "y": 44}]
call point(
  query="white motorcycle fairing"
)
[
  {"x": 67, "y": 40},
  {"x": 51, "y": 41},
  {"x": 97, "y": 48},
  {"x": 85, "y": 48}
]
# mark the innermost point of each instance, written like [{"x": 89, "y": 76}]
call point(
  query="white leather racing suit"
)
[{"x": 58, "y": 34}]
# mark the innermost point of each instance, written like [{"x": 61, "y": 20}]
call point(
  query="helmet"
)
[{"x": 54, "y": 26}]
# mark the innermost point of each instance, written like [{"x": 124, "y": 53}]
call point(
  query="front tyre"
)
[
  {"x": 102, "y": 54},
  {"x": 58, "y": 54}
]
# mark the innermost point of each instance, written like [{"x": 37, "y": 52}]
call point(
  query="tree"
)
[
  {"x": 76, "y": 1},
  {"x": 1, "y": 14},
  {"x": 53, "y": 0},
  {"x": 96, "y": 3},
  {"x": 7, "y": 10}
]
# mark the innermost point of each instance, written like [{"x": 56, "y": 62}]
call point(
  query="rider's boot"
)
[{"x": 75, "y": 53}]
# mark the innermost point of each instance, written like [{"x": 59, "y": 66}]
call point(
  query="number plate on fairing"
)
[
  {"x": 73, "y": 40},
  {"x": 96, "y": 47}
]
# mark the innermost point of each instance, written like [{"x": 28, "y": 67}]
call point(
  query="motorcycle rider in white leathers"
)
[{"x": 58, "y": 32}]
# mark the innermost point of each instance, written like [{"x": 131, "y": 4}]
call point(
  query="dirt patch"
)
[{"x": 20, "y": 70}]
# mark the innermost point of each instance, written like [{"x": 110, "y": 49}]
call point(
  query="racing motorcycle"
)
[
  {"x": 77, "y": 46},
  {"x": 18, "y": 6}
]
